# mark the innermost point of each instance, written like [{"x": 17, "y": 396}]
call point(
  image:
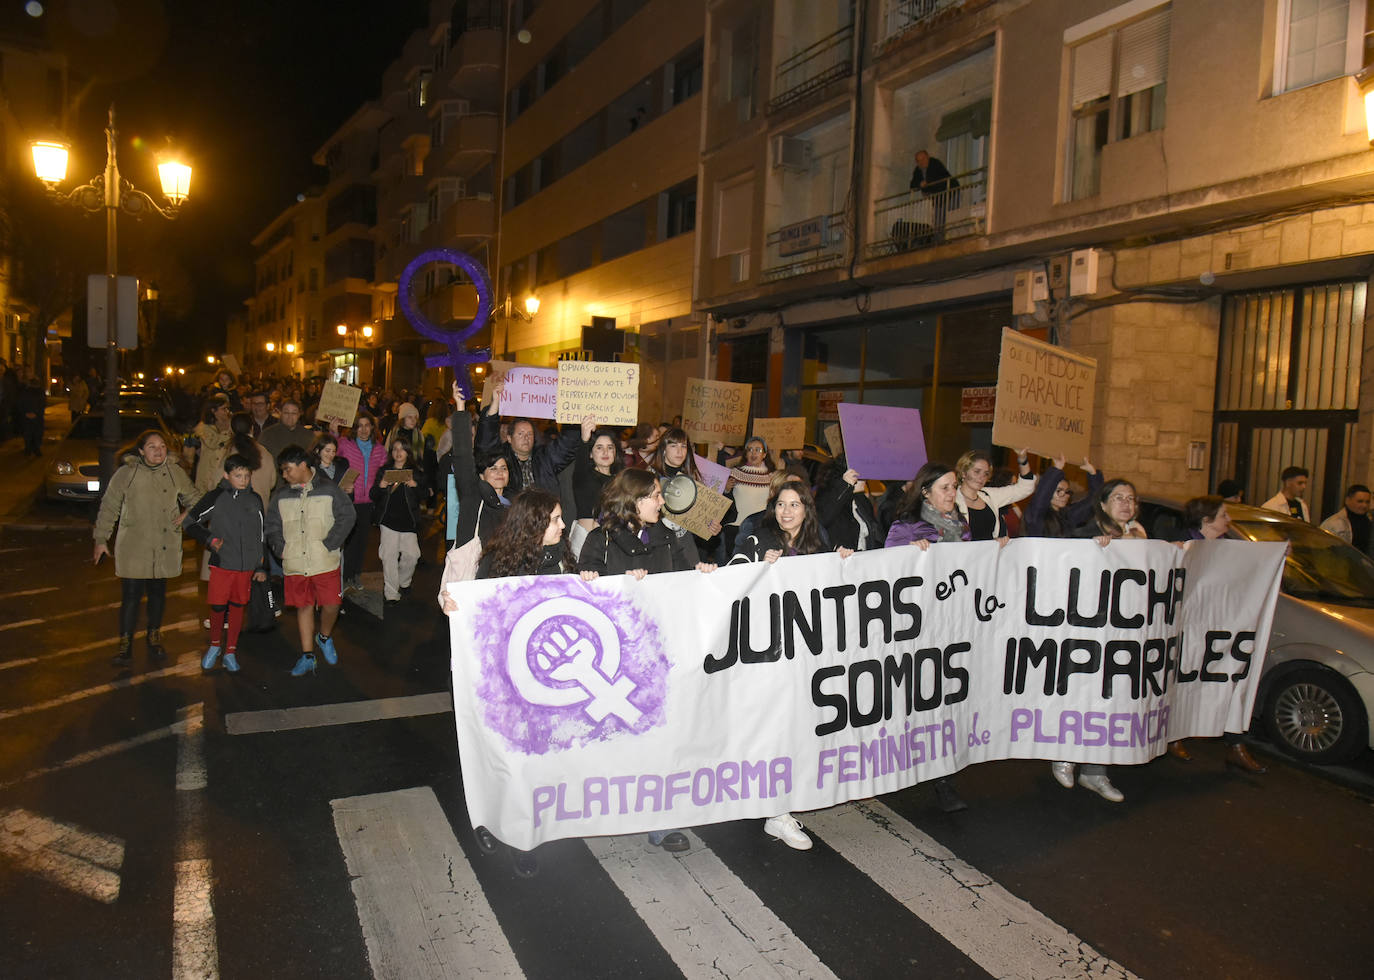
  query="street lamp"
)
[
  {"x": 345, "y": 332},
  {"x": 111, "y": 193}
]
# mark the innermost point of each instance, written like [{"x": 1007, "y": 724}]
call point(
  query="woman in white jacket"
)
[{"x": 981, "y": 504}]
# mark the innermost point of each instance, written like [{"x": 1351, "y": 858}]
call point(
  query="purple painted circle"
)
[{"x": 459, "y": 357}]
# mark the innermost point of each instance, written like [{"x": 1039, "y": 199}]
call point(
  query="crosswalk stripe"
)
[
  {"x": 189, "y": 664},
  {"x": 1001, "y": 933},
  {"x": 707, "y": 920},
  {"x": 108, "y": 643},
  {"x": 80, "y": 860},
  {"x": 421, "y": 908},
  {"x": 342, "y": 713}
]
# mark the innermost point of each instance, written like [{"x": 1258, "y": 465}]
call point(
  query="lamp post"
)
[
  {"x": 345, "y": 331},
  {"x": 531, "y": 305},
  {"x": 111, "y": 193}
]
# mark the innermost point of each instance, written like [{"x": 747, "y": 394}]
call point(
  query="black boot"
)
[
  {"x": 124, "y": 657},
  {"x": 945, "y": 796},
  {"x": 156, "y": 651}
]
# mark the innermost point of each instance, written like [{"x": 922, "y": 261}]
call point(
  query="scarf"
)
[
  {"x": 365, "y": 450},
  {"x": 951, "y": 526}
]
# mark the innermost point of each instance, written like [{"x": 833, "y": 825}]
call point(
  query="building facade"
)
[
  {"x": 283, "y": 330},
  {"x": 1207, "y": 164}
]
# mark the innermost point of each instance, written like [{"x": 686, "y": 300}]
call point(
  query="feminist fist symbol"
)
[{"x": 459, "y": 357}]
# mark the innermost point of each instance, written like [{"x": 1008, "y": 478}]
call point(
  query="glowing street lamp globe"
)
[
  {"x": 176, "y": 180},
  {"x": 50, "y": 160}
]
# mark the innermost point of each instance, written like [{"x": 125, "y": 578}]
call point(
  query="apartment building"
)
[
  {"x": 1176, "y": 189},
  {"x": 283, "y": 331},
  {"x": 599, "y": 186}
]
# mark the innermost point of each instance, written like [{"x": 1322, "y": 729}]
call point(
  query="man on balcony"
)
[{"x": 934, "y": 181}]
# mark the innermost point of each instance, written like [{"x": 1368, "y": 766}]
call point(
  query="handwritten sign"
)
[
  {"x": 780, "y": 434},
  {"x": 401, "y": 477},
  {"x": 338, "y": 403},
  {"x": 530, "y": 392},
  {"x": 607, "y": 391},
  {"x": 496, "y": 371},
  {"x": 716, "y": 411},
  {"x": 827, "y": 404},
  {"x": 976, "y": 405},
  {"x": 232, "y": 363},
  {"x": 346, "y": 481},
  {"x": 712, "y": 474},
  {"x": 834, "y": 440},
  {"x": 882, "y": 442},
  {"x": 706, "y": 509},
  {"x": 1044, "y": 398}
]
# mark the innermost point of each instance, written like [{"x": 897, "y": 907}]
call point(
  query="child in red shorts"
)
[{"x": 229, "y": 522}]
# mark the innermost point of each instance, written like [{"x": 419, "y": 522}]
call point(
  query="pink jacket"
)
[{"x": 362, "y": 486}]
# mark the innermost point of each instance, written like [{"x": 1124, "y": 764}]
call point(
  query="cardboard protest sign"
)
[
  {"x": 346, "y": 481},
  {"x": 496, "y": 371},
  {"x": 712, "y": 474},
  {"x": 834, "y": 440},
  {"x": 716, "y": 411},
  {"x": 232, "y": 363},
  {"x": 396, "y": 476},
  {"x": 530, "y": 392},
  {"x": 338, "y": 403},
  {"x": 882, "y": 442},
  {"x": 607, "y": 391},
  {"x": 827, "y": 404},
  {"x": 780, "y": 434},
  {"x": 1044, "y": 398},
  {"x": 709, "y": 506}
]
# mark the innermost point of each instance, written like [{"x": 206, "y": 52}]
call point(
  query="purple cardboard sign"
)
[
  {"x": 712, "y": 474},
  {"x": 882, "y": 442}
]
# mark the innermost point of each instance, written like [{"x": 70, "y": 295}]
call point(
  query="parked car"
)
[
  {"x": 148, "y": 400},
  {"x": 74, "y": 473},
  {"x": 1316, "y": 693}
]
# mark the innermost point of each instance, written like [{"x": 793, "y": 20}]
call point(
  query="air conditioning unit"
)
[
  {"x": 791, "y": 153},
  {"x": 1083, "y": 272}
]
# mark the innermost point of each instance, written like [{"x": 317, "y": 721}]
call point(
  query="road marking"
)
[
  {"x": 421, "y": 908},
  {"x": 707, "y": 920},
  {"x": 1001, "y": 933},
  {"x": 79, "y": 860},
  {"x": 189, "y": 664},
  {"x": 86, "y": 611},
  {"x": 343, "y": 713},
  {"x": 17, "y": 595},
  {"x": 195, "y": 951},
  {"x": 113, "y": 748},
  {"x": 179, "y": 626}
]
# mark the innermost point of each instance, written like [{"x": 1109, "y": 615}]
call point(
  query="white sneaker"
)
[
  {"x": 787, "y": 829},
  {"x": 1063, "y": 773},
  {"x": 205, "y": 623},
  {"x": 1102, "y": 786}
]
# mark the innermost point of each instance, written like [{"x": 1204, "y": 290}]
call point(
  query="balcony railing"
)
[
  {"x": 806, "y": 246},
  {"x": 911, "y": 220},
  {"x": 813, "y": 67},
  {"x": 901, "y": 16}
]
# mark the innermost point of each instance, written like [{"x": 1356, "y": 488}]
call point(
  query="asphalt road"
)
[{"x": 146, "y": 830}]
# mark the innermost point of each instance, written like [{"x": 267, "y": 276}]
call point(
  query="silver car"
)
[
  {"x": 1317, "y": 689},
  {"x": 74, "y": 473}
]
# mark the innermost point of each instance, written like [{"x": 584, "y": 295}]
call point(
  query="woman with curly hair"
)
[
  {"x": 529, "y": 540},
  {"x": 790, "y": 527}
]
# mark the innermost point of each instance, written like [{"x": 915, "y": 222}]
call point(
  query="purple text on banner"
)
[
  {"x": 531, "y": 393},
  {"x": 712, "y": 474},
  {"x": 882, "y": 442}
]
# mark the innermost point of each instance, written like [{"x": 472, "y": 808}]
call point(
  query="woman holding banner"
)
[
  {"x": 981, "y": 505},
  {"x": 789, "y": 527},
  {"x": 1112, "y": 514},
  {"x": 929, "y": 515},
  {"x": 631, "y": 540},
  {"x": 845, "y": 510}
]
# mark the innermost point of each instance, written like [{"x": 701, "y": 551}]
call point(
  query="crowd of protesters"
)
[{"x": 270, "y": 493}]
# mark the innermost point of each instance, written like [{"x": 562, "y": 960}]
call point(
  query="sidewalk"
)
[{"x": 22, "y": 506}]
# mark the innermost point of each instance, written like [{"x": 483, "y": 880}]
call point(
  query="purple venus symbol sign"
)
[{"x": 459, "y": 356}]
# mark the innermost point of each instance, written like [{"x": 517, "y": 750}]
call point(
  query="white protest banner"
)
[
  {"x": 712, "y": 474},
  {"x": 619, "y": 706},
  {"x": 607, "y": 391},
  {"x": 1044, "y": 398},
  {"x": 530, "y": 392},
  {"x": 708, "y": 507},
  {"x": 338, "y": 403},
  {"x": 782, "y": 433},
  {"x": 716, "y": 411},
  {"x": 496, "y": 371}
]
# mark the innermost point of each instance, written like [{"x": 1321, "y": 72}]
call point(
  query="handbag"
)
[
  {"x": 260, "y": 615},
  {"x": 460, "y": 564}
]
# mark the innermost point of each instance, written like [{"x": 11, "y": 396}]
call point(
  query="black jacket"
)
[
  {"x": 547, "y": 460},
  {"x": 476, "y": 497},
  {"x": 615, "y": 552},
  {"x": 840, "y": 510},
  {"x": 588, "y": 483},
  {"x": 550, "y": 563},
  {"x": 1041, "y": 521},
  {"x": 398, "y": 505},
  {"x": 236, "y": 518}
]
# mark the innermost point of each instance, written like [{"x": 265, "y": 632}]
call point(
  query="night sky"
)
[{"x": 247, "y": 89}]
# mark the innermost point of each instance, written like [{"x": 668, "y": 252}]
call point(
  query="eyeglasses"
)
[{"x": 1117, "y": 498}]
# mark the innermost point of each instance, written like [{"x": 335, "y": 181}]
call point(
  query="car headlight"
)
[{"x": 63, "y": 468}]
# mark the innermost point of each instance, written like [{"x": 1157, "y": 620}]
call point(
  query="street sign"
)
[{"x": 126, "y": 312}]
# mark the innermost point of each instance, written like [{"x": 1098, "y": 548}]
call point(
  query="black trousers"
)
[
  {"x": 131, "y": 591},
  {"x": 355, "y": 548}
]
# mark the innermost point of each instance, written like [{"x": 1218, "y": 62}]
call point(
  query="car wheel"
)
[{"x": 1315, "y": 716}]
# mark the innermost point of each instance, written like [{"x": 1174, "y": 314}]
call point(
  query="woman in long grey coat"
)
[{"x": 147, "y": 497}]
